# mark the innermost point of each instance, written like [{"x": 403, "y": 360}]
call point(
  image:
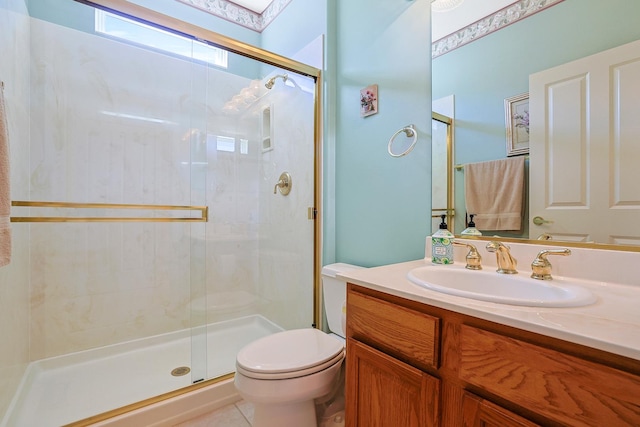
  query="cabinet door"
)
[
  {"x": 477, "y": 412},
  {"x": 560, "y": 387},
  {"x": 401, "y": 332},
  {"x": 383, "y": 392}
]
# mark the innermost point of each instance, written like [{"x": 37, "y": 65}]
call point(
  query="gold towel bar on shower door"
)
[{"x": 204, "y": 210}]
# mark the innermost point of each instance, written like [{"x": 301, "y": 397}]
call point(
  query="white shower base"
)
[{"x": 64, "y": 389}]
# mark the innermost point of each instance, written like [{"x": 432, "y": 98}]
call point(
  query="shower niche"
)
[{"x": 266, "y": 119}]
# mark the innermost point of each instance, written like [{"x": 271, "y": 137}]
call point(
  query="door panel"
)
[
  {"x": 383, "y": 392},
  {"x": 584, "y": 147},
  {"x": 478, "y": 412}
]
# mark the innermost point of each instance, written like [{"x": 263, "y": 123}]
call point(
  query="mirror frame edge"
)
[
  {"x": 601, "y": 246},
  {"x": 450, "y": 209}
]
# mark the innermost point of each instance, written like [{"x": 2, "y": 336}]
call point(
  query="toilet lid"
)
[{"x": 289, "y": 351}]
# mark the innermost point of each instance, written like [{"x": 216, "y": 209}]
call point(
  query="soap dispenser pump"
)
[
  {"x": 442, "y": 244},
  {"x": 471, "y": 229}
]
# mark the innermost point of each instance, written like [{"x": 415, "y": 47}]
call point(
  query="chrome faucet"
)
[
  {"x": 541, "y": 267},
  {"x": 506, "y": 263},
  {"x": 474, "y": 260}
]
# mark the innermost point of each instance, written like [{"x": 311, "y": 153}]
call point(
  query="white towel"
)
[
  {"x": 5, "y": 196},
  {"x": 494, "y": 192}
]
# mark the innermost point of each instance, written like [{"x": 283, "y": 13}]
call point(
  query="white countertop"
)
[{"x": 611, "y": 324}]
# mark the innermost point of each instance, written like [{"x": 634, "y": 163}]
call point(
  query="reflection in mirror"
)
[
  {"x": 442, "y": 169},
  {"x": 482, "y": 73}
]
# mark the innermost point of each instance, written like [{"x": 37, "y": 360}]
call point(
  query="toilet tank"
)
[{"x": 334, "y": 292}]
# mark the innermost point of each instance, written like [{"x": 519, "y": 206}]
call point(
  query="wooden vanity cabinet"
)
[
  {"x": 382, "y": 388},
  {"x": 387, "y": 392},
  {"x": 478, "y": 412},
  {"x": 411, "y": 364}
]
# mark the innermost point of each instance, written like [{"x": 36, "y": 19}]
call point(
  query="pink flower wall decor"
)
[{"x": 369, "y": 100}]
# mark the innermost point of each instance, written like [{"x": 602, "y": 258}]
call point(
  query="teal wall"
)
[
  {"x": 483, "y": 73},
  {"x": 382, "y": 204},
  {"x": 301, "y": 22},
  {"x": 66, "y": 13}
]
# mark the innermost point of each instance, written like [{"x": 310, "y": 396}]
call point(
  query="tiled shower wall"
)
[
  {"x": 96, "y": 284},
  {"x": 14, "y": 278},
  {"x": 286, "y": 251},
  {"x": 118, "y": 124},
  {"x": 109, "y": 123}
]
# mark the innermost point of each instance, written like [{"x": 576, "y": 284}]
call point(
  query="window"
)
[
  {"x": 146, "y": 35},
  {"x": 224, "y": 143}
]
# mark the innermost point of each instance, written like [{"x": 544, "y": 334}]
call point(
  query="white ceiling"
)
[
  {"x": 257, "y": 6},
  {"x": 470, "y": 11}
]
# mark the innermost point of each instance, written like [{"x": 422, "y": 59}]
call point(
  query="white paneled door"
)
[{"x": 585, "y": 148}]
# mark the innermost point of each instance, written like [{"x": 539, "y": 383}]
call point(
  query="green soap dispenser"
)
[
  {"x": 471, "y": 229},
  {"x": 442, "y": 245}
]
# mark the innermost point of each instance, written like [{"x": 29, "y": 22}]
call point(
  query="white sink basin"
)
[{"x": 516, "y": 289}]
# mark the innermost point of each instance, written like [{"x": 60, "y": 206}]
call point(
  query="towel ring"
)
[{"x": 411, "y": 132}]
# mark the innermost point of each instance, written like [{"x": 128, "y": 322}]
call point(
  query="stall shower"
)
[{"x": 166, "y": 248}]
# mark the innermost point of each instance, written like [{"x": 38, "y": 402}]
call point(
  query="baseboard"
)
[{"x": 178, "y": 409}]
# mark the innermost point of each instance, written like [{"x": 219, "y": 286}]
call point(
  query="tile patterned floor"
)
[{"x": 239, "y": 414}]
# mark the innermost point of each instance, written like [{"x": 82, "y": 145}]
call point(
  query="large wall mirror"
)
[{"x": 480, "y": 75}]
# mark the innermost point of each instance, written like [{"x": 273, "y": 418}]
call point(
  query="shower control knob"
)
[{"x": 284, "y": 184}]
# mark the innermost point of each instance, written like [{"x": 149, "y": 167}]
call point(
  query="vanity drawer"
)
[
  {"x": 404, "y": 333},
  {"x": 558, "y": 386}
]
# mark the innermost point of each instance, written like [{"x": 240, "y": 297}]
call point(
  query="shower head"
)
[{"x": 269, "y": 84}]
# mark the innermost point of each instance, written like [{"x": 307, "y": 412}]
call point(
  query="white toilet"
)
[{"x": 284, "y": 374}]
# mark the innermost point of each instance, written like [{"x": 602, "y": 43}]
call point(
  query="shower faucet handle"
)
[
  {"x": 280, "y": 184},
  {"x": 284, "y": 184}
]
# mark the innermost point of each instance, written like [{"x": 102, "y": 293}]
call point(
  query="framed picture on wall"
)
[
  {"x": 368, "y": 100},
  {"x": 516, "y": 115}
]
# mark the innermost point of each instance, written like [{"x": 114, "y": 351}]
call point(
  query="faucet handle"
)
[
  {"x": 494, "y": 245},
  {"x": 474, "y": 260},
  {"x": 506, "y": 262},
  {"x": 541, "y": 267}
]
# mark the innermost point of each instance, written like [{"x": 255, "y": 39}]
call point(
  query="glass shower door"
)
[{"x": 259, "y": 238}]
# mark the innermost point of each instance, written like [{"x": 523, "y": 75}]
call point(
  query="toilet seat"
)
[
  {"x": 291, "y": 374},
  {"x": 289, "y": 354}
]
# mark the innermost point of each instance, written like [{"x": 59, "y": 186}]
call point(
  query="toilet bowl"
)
[{"x": 283, "y": 375}]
